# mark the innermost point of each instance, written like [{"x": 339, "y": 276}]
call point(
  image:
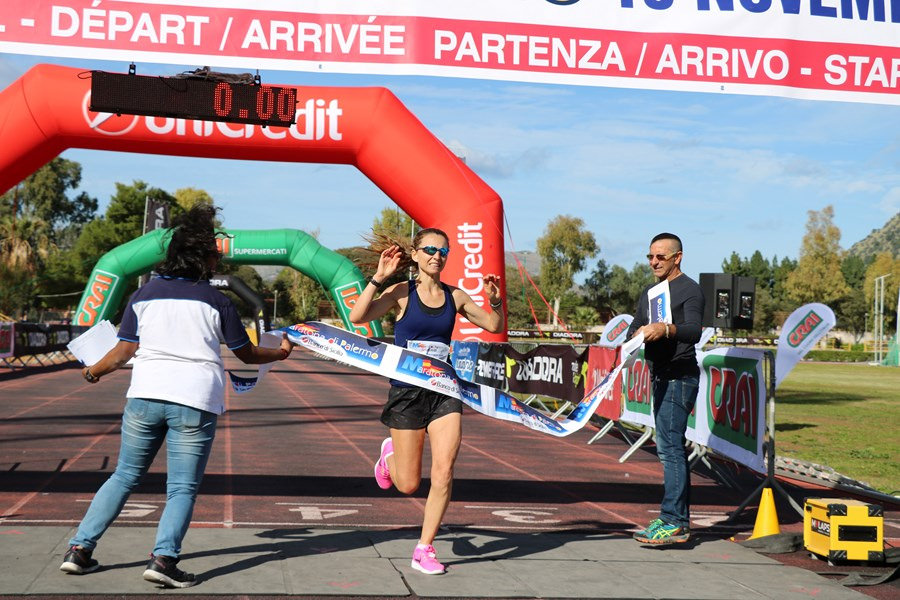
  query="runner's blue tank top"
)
[{"x": 424, "y": 323}]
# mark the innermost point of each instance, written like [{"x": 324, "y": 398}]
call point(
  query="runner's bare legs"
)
[{"x": 405, "y": 466}]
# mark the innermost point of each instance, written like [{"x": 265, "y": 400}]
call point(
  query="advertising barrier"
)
[
  {"x": 730, "y": 414},
  {"x": 7, "y": 338},
  {"x": 555, "y": 370},
  {"x": 600, "y": 362}
]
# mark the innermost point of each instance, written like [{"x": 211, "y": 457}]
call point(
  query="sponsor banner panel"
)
[
  {"x": 600, "y": 363},
  {"x": 7, "y": 338},
  {"x": 831, "y": 50},
  {"x": 555, "y": 370},
  {"x": 731, "y": 404},
  {"x": 490, "y": 365},
  {"x": 463, "y": 358},
  {"x": 800, "y": 332},
  {"x": 637, "y": 389},
  {"x": 38, "y": 338}
]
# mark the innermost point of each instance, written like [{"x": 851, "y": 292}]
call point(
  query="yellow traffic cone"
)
[{"x": 766, "y": 516}]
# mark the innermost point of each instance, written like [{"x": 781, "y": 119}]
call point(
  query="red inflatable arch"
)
[{"x": 46, "y": 111}]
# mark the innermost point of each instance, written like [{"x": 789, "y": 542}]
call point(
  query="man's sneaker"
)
[
  {"x": 643, "y": 533},
  {"x": 424, "y": 560},
  {"x": 78, "y": 561},
  {"x": 382, "y": 473},
  {"x": 162, "y": 570},
  {"x": 664, "y": 533}
]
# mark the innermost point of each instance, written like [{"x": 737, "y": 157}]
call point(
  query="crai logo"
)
[
  {"x": 803, "y": 329},
  {"x": 617, "y": 331},
  {"x": 637, "y": 386},
  {"x": 348, "y": 295},
  {"x": 96, "y": 297},
  {"x": 732, "y": 399}
]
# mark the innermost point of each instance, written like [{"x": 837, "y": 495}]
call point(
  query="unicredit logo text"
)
[{"x": 317, "y": 119}]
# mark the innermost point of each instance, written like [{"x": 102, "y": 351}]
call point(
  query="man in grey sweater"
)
[{"x": 671, "y": 356}]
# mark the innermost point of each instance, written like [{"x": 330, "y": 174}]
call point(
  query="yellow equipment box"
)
[{"x": 843, "y": 529}]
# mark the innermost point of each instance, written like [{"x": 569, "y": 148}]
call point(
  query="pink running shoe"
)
[
  {"x": 424, "y": 560},
  {"x": 382, "y": 473}
]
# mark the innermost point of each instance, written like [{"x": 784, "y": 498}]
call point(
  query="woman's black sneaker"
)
[
  {"x": 78, "y": 561},
  {"x": 162, "y": 570}
]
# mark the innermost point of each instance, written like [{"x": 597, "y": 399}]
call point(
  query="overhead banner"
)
[
  {"x": 800, "y": 332},
  {"x": 818, "y": 49}
]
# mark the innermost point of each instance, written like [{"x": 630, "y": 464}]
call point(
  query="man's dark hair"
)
[
  {"x": 668, "y": 236},
  {"x": 192, "y": 243}
]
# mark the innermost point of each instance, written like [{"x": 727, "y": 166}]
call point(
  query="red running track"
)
[{"x": 299, "y": 450}]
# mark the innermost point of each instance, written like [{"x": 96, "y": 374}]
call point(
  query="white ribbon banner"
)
[
  {"x": 429, "y": 373},
  {"x": 815, "y": 49},
  {"x": 800, "y": 332}
]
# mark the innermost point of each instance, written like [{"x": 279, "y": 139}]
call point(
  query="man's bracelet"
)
[
  {"x": 667, "y": 331},
  {"x": 378, "y": 285}
]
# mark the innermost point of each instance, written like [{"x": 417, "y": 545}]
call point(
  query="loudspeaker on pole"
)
[{"x": 766, "y": 516}]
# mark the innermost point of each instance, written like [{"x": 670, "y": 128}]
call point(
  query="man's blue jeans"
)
[
  {"x": 188, "y": 433},
  {"x": 673, "y": 401}
]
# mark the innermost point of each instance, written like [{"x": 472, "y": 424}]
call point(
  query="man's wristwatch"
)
[{"x": 90, "y": 377}]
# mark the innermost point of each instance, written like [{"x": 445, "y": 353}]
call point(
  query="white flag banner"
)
[
  {"x": 827, "y": 50},
  {"x": 800, "y": 332},
  {"x": 705, "y": 336},
  {"x": 615, "y": 331}
]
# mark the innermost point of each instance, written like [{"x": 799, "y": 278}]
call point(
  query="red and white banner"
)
[{"x": 818, "y": 49}]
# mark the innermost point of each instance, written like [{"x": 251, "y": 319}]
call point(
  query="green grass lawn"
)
[{"x": 845, "y": 416}]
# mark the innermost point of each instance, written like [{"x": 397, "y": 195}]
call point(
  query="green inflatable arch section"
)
[{"x": 289, "y": 247}]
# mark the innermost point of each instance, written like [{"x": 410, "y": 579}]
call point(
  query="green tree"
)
[
  {"x": 42, "y": 197},
  {"x": 883, "y": 264},
  {"x": 122, "y": 222},
  {"x": 394, "y": 221},
  {"x": 626, "y": 286},
  {"x": 564, "y": 248},
  {"x": 851, "y": 311},
  {"x": 818, "y": 276}
]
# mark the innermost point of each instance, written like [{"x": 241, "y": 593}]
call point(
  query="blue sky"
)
[{"x": 726, "y": 173}]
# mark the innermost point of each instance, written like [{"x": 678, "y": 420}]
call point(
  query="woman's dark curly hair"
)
[{"x": 192, "y": 243}]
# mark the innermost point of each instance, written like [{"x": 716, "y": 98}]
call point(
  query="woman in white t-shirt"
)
[{"x": 173, "y": 327}]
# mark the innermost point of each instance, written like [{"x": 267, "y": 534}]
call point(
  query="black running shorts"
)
[{"x": 415, "y": 407}]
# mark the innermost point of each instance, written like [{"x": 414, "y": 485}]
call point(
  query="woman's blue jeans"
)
[
  {"x": 188, "y": 433},
  {"x": 673, "y": 401}
]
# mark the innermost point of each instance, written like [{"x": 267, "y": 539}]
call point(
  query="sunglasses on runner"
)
[{"x": 432, "y": 250}]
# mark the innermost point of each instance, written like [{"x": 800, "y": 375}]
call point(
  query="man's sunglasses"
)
[
  {"x": 432, "y": 250},
  {"x": 662, "y": 257}
]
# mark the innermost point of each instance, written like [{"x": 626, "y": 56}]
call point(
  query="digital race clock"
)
[{"x": 193, "y": 98}]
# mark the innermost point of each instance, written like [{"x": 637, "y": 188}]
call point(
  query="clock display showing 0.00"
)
[
  {"x": 187, "y": 98},
  {"x": 263, "y": 104}
]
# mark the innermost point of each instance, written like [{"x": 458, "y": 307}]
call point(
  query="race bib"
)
[{"x": 436, "y": 350}]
